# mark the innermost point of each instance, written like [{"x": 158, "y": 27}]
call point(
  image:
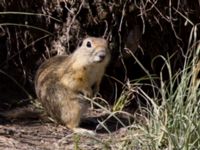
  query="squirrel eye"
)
[{"x": 89, "y": 44}]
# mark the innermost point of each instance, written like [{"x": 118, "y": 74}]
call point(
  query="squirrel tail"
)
[{"x": 26, "y": 112}]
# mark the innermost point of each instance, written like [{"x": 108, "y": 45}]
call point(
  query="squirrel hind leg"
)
[
  {"x": 73, "y": 124},
  {"x": 74, "y": 127}
]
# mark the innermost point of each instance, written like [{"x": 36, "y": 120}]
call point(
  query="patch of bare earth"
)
[{"x": 37, "y": 135}]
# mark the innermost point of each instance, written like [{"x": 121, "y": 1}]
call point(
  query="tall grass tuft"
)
[{"x": 173, "y": 122}]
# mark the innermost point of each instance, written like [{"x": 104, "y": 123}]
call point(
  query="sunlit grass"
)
[{"x": 174, "y": 122}]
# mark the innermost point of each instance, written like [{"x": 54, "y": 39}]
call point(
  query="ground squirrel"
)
[{"x": 61, "y": 82}]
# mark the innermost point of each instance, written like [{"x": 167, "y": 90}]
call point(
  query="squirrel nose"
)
[{"x": 100, "y": 56}]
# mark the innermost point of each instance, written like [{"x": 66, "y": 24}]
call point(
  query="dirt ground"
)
[{"x": 38, "y": 135}]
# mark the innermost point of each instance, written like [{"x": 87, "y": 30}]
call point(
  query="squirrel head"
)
[{"x": 94, "y": 50}]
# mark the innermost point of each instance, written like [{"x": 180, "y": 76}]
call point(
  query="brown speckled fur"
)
[{"x": 61, "y": 81}]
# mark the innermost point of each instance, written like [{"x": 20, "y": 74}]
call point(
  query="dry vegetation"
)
[{"x": 153, "y": 77}]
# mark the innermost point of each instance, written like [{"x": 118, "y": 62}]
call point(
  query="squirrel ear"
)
[{"x": 80, "y": 44}]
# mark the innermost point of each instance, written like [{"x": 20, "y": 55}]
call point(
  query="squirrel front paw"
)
[{"x": 87, "y": 93}]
